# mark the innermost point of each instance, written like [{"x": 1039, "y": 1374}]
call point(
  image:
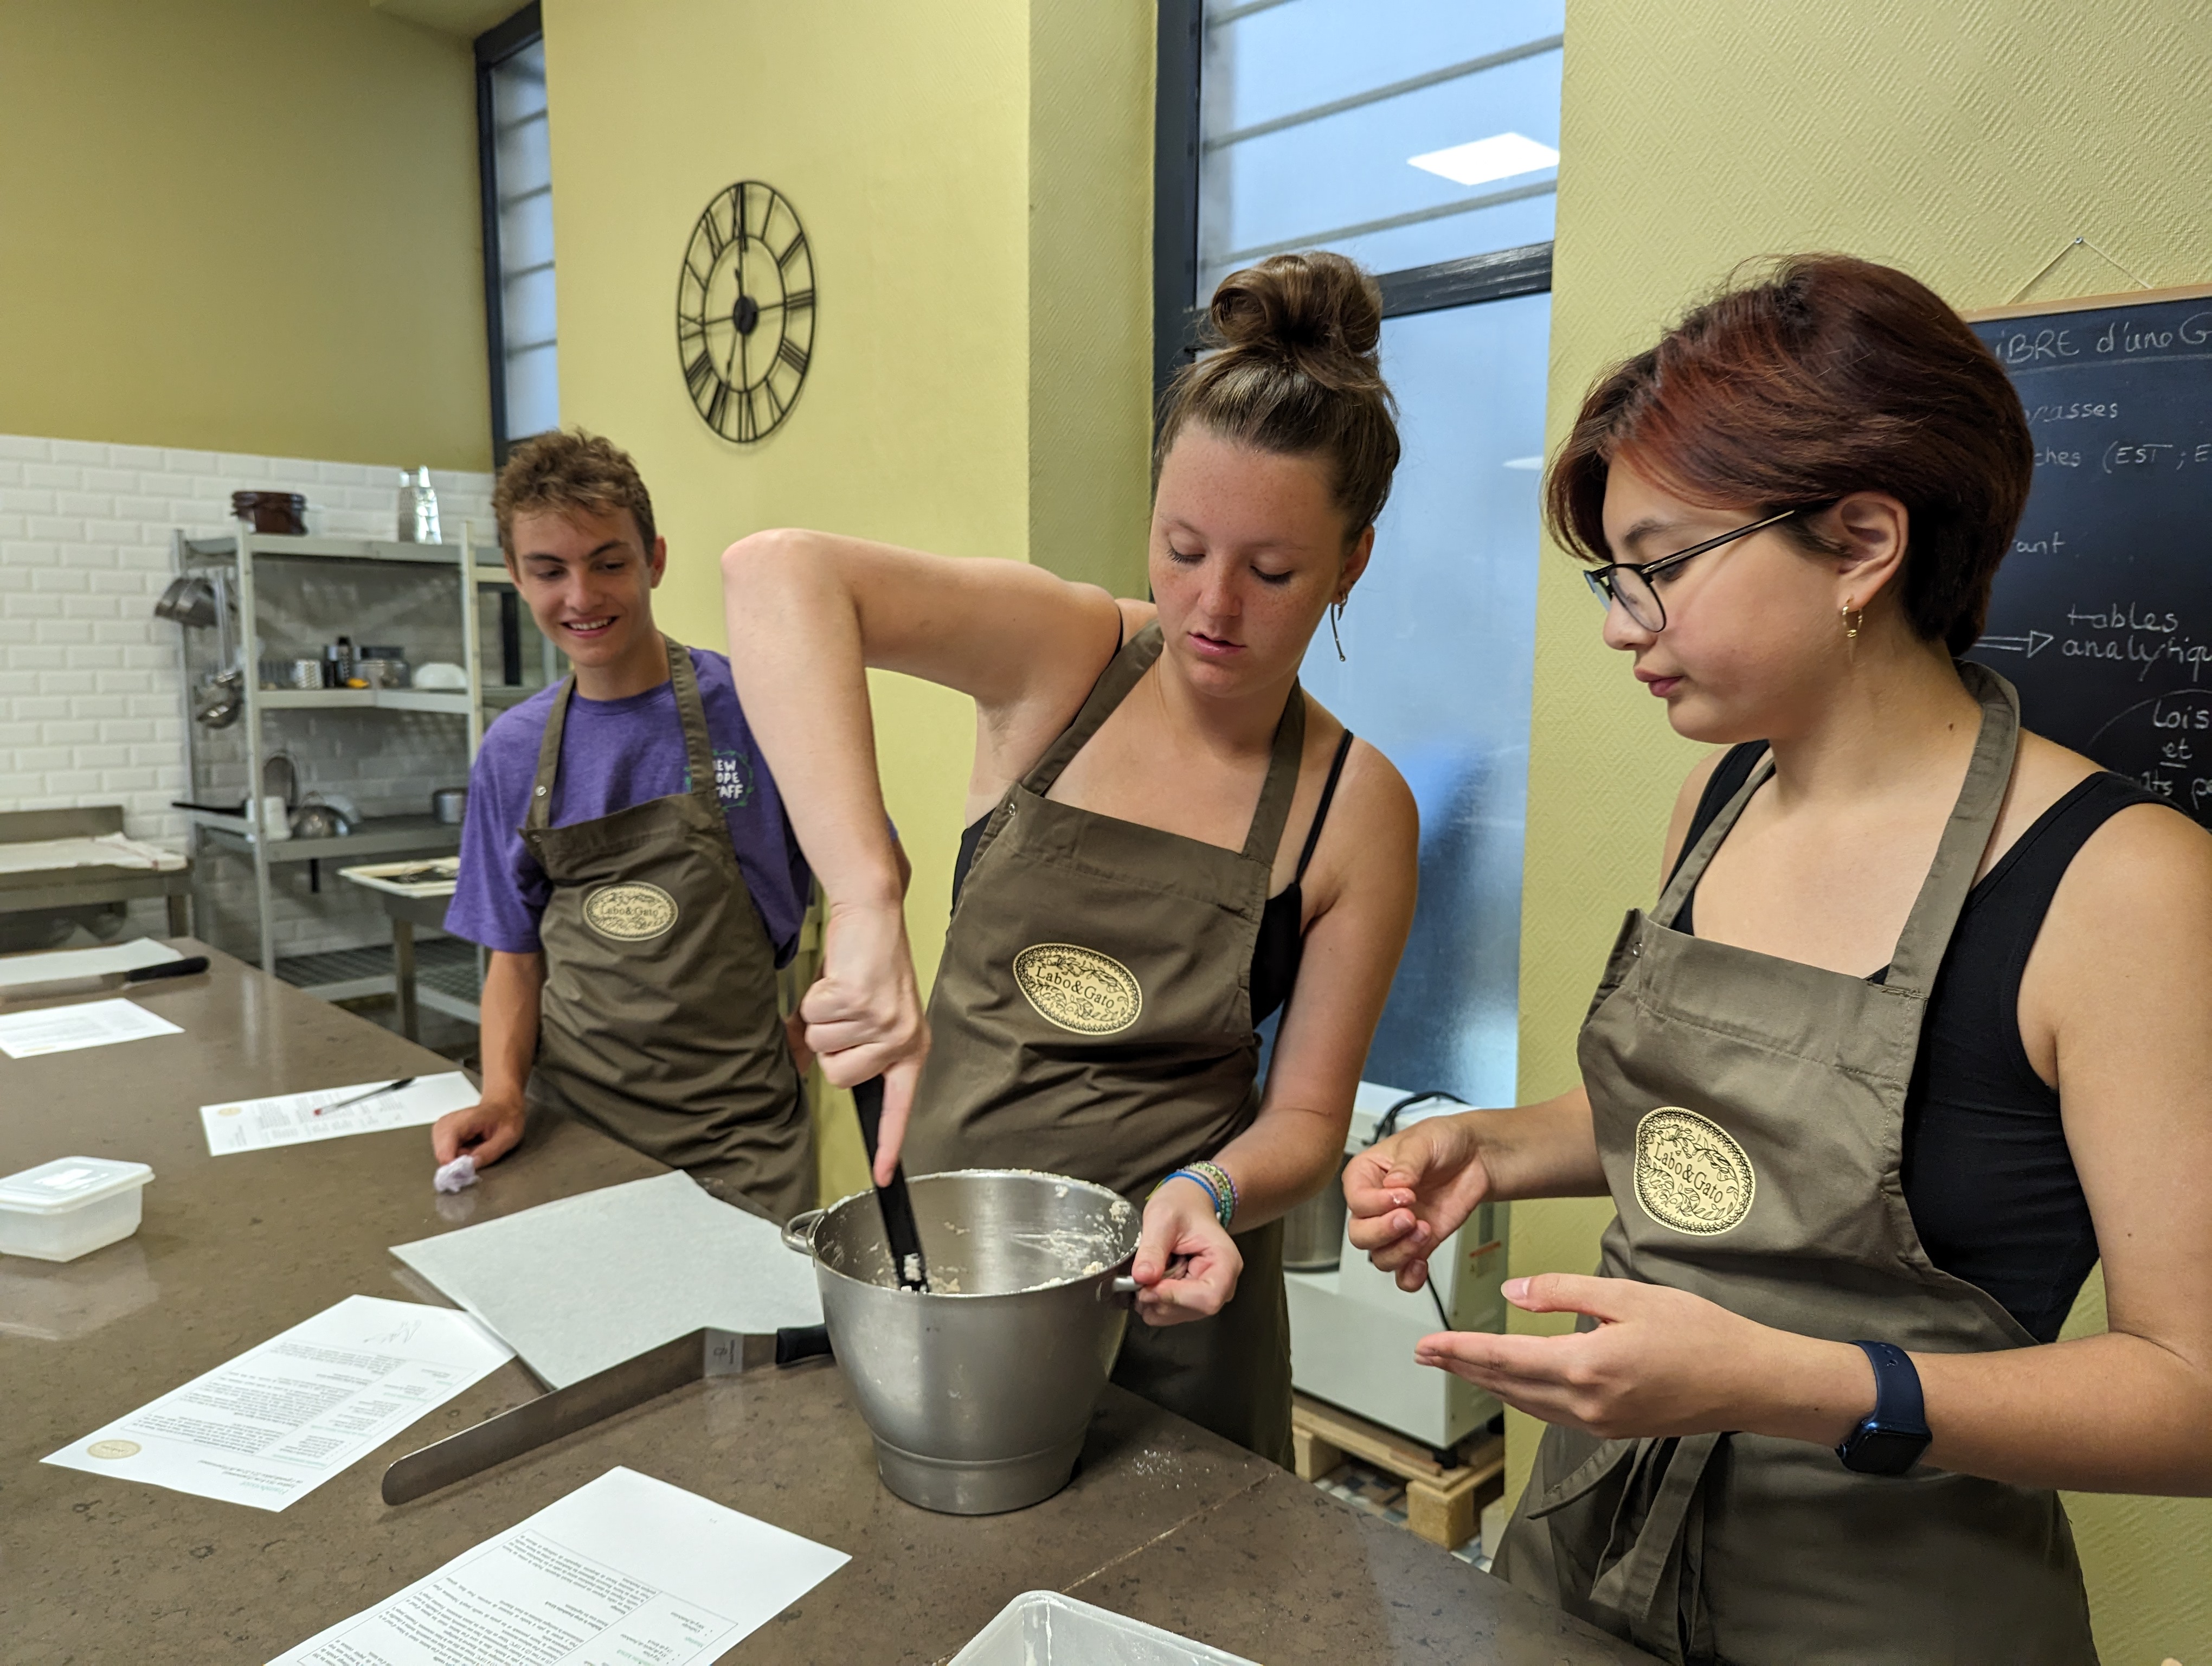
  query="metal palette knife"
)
[{"x": 688, "y": 1359}]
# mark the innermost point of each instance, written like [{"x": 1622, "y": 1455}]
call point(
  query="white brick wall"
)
[{"x": 91, "y": 706}]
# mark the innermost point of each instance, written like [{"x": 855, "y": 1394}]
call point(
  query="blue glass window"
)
[{"x": 1314, "y": 113}]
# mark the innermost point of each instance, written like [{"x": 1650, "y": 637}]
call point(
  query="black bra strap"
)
[{"x": 1321, "y": 810}]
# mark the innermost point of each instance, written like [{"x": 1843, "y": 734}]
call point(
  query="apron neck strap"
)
[
  {"x": 1123, "y": 671},
  {"x": 690, "y": 712},
  {"x": 539, "y": 815},
  {"x": 1270, "y": 815},
  {"x": 1965, "y": 836},
  {"x": 1692, "y": 867}
]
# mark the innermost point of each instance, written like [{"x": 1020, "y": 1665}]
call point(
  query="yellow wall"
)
[
  {"x": 1090, "y": 291},
  {"x": 1967, "y": 142},
  {"x": 240, "y": 225},
  {"x": 903, "y": 133}
]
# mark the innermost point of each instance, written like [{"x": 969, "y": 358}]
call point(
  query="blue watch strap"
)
[{"x": 1897, "y": 1399}]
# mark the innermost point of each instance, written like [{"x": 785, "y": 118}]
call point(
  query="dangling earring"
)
[
  {"x": 1336, "y": 612},
  {"x": 1853, "y": 618}
]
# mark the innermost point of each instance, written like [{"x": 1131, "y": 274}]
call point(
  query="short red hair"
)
[{"x": 1824, "y": 376}]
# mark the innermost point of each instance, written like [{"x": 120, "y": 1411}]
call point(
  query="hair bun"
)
[{"x": 1318, "y": 311}]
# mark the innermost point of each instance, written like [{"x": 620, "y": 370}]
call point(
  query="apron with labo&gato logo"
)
[
  {"x": 1092, "y": 1017},
  {"x": 1750, "y": 1116},
  {"x": 659, "y": 1021}
]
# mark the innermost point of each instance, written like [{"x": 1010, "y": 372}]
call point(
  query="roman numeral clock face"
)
[{"x": 745, "y": 312}]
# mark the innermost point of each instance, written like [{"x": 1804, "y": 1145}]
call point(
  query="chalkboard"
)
[{"x": 2102, "y": 613}]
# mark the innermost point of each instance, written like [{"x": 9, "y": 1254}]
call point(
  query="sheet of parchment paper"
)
[{"x": 586, "y": 1282}]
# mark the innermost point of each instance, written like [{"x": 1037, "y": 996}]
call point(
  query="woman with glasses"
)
[
  {"x": 1914, "y": 1034},
  {"x": 1167, "y": 839}
]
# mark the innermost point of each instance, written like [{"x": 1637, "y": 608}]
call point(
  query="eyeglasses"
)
[{"x": 1630, "y": 583}]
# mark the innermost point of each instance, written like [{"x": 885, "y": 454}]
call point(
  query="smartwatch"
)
[{"x": 1892, "y": 1436}]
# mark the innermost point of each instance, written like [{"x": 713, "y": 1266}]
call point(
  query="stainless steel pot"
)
[
  {"x": 978, "y": 1391},
  {"x": 450, "y": 805},
  {"x": 1313, "y": 1233}
]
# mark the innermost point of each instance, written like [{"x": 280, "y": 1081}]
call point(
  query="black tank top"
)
[
  {"x": 1988, "y": 1175},
  {"x": 1282, "y": 942}
]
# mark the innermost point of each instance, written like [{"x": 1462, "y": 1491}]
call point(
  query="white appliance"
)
[{"x": 1352, "y": 1330}]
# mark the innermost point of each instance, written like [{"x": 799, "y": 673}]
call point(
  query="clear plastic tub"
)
[
  {"x": 69, "y": 1207},
  {"x": 1043, "y": 1628}
]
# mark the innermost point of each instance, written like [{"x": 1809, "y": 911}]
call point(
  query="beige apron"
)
[
  {"x": 1092, "y": 1017},
  {"x": 1750, "y": 1116},
  {"x": 658, "y": 1022}
]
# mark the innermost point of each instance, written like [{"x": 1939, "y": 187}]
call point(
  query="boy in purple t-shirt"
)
[{"x": 636, "y": 880}]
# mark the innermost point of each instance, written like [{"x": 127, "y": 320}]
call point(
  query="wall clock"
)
[{"x": 745, "y": 312}]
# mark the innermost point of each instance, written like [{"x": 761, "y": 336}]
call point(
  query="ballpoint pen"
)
[{"x": 374, "y": 1092}]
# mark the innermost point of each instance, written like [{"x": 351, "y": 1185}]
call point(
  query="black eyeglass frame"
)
[{"x": 1600, "y": 579}]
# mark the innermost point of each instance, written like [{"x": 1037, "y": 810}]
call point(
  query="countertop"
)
[{"x": 1163, "y": 1521}]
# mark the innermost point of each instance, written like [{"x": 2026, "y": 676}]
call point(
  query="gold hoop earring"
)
[
  {"x": 1853, "y": 618},
  {"x": 1335, "y": 613}
]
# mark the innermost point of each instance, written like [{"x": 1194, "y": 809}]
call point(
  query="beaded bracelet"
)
[
  {"x": 1225, "y": 1190},
  {"x": 1213, "y": 1180}
]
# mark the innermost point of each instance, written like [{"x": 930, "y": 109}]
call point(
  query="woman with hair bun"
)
[
  {"x": 1914, "y": 1035},
  {"x": 1166, "y": 837}
]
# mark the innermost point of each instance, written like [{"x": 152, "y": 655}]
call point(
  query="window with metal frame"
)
[
  {"x": 515, "y": 160},
  {"x": 1420, "y": 137}
]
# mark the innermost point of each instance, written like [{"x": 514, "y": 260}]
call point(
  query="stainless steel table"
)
[
  {"x": 1164, "y": 1521},
  {"x": 406, "y": 913},
  {"x": 45, "y": 890}
]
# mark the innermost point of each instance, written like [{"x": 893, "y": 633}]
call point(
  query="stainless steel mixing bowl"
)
[{"x": 979, "y": 1391}]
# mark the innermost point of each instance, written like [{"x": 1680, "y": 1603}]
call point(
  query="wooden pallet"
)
[{"x": 1442, "y": 1506}]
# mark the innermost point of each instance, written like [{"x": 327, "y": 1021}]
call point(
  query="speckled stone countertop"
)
[{"x": 1163, "y": 1521}]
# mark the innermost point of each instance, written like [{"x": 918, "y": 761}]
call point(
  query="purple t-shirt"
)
[{"x": 615, "y": 753}]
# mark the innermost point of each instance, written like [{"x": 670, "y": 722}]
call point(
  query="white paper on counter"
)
[
  {"x": 589, "y": 1282},
  {"x": 57, "y": 964},
  {"x": 291, "y": 1119},
  {"x": 282, "y": 1419},
  {"x": 88, "y": 1024},
  {"x": 625, "y": 1568}
]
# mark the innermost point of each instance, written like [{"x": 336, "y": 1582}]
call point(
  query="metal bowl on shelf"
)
[{"x": 314, "y": 819}]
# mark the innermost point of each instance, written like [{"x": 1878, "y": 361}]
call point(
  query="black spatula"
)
[{"x": 898, "y": 1208}]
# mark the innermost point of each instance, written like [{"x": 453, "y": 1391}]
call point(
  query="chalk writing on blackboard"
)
[{"x": 2102, "y": 613}]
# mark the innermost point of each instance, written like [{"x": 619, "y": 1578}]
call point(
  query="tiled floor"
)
[{"x": 1379, "y": 1493}]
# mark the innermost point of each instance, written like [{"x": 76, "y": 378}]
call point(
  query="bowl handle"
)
[
  {"x": 799, "y": 1230},
  {"x": 1122, "y": 1291}
]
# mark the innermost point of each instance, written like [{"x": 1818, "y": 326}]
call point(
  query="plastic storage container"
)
[
  {"x": 1043, "y": 1628},
  {"x": 69, "y": 1207}
]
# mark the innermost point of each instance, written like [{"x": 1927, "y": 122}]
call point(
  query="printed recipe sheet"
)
[
  {"x": 282, "y": 1419},
  {"x": 624, "y": 1569},
  {"x": 89, "y": 1023},
  {"x": 292, "y": 1118}
]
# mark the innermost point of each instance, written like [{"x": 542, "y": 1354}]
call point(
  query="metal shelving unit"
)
[{"x": 238, "y": 558}]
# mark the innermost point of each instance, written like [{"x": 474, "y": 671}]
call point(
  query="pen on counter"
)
[{"x": 374, "y": 1093}]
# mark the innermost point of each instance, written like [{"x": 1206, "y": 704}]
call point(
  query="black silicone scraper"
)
[{"x": 899, "y": 1229}]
